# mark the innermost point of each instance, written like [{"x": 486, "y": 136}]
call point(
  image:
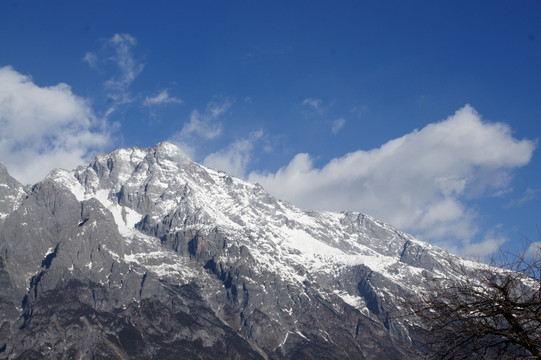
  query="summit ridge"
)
[{"x": 160, "y": 257}]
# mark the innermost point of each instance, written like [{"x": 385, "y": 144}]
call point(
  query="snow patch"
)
[
  {"x": 125, "y": 218},
  {"x": 355, "y": 301},
  {"x": 68, "y": 179}
]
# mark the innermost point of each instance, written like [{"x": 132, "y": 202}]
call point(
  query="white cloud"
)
[
  {"x": 483, "y": 249},
  {"x": 162, "y": 98},
  {"x": 128, "y": 66},
  {"x": 91, "y": 59},
  {"x": 44, "y": 127},
  {"x": 417, "y": 182},
  {"x": 314, "y": 104},
  {"x": 534, "y": 251},
  {"x": 201, "y": 127},
  {"x": 528, "y": 196},
  {"x": 337, "y": 125},
  {"x": 235, "y": 158},
  {"x": 119, "y": 50},
  {"x": 204, "y": 125}
]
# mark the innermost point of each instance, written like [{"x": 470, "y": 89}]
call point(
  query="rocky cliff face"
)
[{"x": 145, "y": 254}]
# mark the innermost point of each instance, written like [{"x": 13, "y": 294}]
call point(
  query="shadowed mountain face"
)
[{"x": 145, "y": 254}]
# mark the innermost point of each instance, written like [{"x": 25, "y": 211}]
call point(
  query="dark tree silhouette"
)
[{"x": 487, "y": 313}]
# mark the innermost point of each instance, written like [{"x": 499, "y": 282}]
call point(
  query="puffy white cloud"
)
[
  {"x": 487, "y": 247},
  {"x": 44, "y": 127},
  {"x": 418, "y": 182},
  {"x": 337, "y": 125},
  {"x": 162, "y": 98},
  {"x": 235, "y": 158}
]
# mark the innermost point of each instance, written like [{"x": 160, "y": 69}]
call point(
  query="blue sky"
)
[{"x": 423, "y": 114}]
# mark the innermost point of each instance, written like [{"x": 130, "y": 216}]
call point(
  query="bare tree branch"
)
[{"x": 484, "y": 312}]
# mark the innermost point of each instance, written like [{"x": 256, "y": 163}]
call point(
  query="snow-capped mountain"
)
[{"x": 145, "y": 254}]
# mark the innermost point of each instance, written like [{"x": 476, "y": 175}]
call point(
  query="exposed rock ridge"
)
[{"x": 152, "y": 255}]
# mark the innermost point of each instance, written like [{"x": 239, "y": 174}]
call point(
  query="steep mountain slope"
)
[{"x": 146, "y": 254}]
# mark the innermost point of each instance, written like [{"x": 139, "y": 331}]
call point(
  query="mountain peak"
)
[
  {"x": 4, "y": 174},
  {"x": 11, "y": 194},
  {"x": 156, "y": 233},
  {"x": 169, "y": 149}
]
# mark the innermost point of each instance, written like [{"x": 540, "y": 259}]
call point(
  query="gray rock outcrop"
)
[{"x": 145, "y": 254}]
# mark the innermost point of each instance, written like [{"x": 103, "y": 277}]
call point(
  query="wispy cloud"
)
[
  {"x": 161, "y": 98},
  {"x": 337, "y": 125},
  {"x": 202, "y": 126},
  {"x": 206, "y": 124},
  {"x": 91, "y": 59},
  {"x": 417, "y": 182},
  {"x": 117, "y": 50},
  {"x": 45, "y": 127},
  {"x": 359, "y": 110},
  {"x": 122, "y": 45},
  {"x": 503, "y": 192},
  {"x": 315, "y": 104},
  {"x": 235, "y": 158},
  {"x": 528, "y": 196}
]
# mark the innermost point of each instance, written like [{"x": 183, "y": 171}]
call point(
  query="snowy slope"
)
[
  {"x": 163, "y": 183},
  {"x": 150, "y": 228}
]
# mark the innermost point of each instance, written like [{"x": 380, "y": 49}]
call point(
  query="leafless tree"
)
[{"x": 484, "y": 312}]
